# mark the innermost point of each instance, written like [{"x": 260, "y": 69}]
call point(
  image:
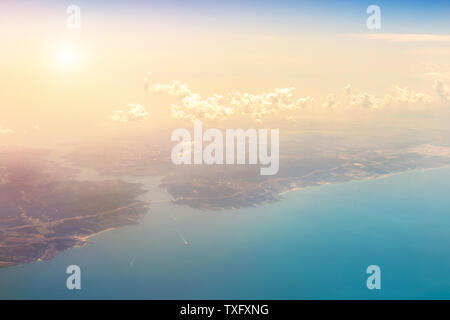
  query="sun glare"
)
[{"x": 67, "y": 57}]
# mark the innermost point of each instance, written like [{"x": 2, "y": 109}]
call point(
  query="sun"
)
[{"x": 67, "y": 57}]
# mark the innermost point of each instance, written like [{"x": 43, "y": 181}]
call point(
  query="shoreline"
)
[
  {"x": 291, "y": 190},
  {"x": 383, "y": 176},
  {"x": 86, "y": 238}
]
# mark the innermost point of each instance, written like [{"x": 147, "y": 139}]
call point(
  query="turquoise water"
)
[{"x": 316, "y": 244}]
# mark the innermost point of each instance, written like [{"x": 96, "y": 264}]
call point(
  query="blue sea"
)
[{"x": 315, "y": 244}]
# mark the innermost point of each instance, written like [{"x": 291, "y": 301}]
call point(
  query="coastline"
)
[
  {"x": 86, "y": 238},
  {"x": 280, "y": 194},
  {"x": 382, "y": 176}
]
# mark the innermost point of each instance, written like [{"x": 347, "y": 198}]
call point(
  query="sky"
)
[{"x": 247, "y": 63}]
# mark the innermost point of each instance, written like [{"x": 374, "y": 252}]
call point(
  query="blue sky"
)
[{"x": 317, "y": 16}]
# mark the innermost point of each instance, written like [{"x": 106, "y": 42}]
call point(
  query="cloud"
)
[
  {"x": 258, "y": 107},
  {"x": 348, "y": 89},
  {"x": 283, "y": 104},
  {"x": 5, "y": 131},
  {"x": 364, "y": 101},
  {"x": 404, "y": 95},
  {"x": 176, "y": 89},
  {"x": 331, "y": 101},
  {"x": 405, "y": 37},
  {"x": 135, "y": 112},
  {"x": 401, "y": 96},
  {"x": 442, "y": 90},
  {"x": 346, "y": 99}
]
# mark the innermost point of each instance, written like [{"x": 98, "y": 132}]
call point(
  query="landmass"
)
[
  {"x": 47, "y": 208},
  {"x": 44, "y": 210},
  {"x": 311, "y": 159}
]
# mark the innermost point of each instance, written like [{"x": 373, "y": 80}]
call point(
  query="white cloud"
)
[
  {"x": 135, "y": 112},
  {"x": 442, "y": 90},
  {"x": 176, "y": 89},
  {"x": 346, "y": 99},
  {"x": 348, "y": 89},
  {"x": 283, "y": 104},
  {"x": 404, "y": 95},
  {"x": 258, "y": 107},
  {"x": 331, "y": 101},
  {"x": 364, "y": 101}
]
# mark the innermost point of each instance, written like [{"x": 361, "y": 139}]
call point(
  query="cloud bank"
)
[
  {"x": 192, "y": 106},
  {"x": 283, "y": 104},
  {"x": 442, "y": 90},
  {"x": 134, "y": 112}
]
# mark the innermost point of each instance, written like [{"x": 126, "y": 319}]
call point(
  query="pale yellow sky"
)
[{"x": 73, "y": 81}]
